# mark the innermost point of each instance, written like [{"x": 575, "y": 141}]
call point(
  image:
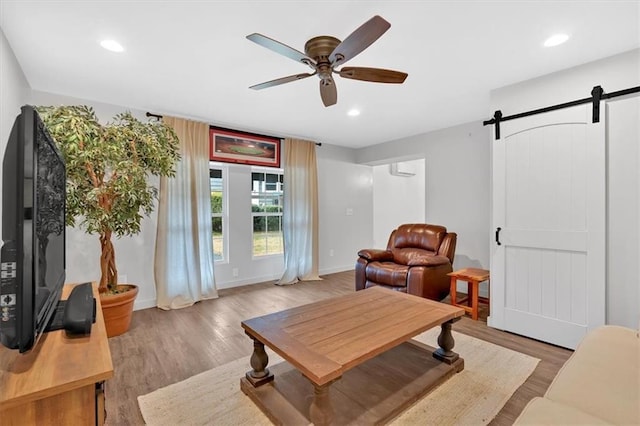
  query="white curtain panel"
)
[
  {"x": 184, "y": 252},
  {"x": 300, "y": 216}
]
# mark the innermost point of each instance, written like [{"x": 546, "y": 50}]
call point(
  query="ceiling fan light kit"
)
[{"x": 324, "y": 53}]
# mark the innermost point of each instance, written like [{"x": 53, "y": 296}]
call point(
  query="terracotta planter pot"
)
[{"x": 117, "y": 310}]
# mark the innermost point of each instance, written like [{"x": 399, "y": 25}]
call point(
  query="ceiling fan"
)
[{"x": 325, "y": 53}]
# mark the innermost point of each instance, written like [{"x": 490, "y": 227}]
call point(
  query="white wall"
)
[
  {"x": 623, "y": 180},
  {"x": 14, "y": 90},
  {"x": 623, "y": 222},
  {"x": 397, "y": 200},
  {"x": 343, "y": 187},
  {"x": 457, "y": 161}
]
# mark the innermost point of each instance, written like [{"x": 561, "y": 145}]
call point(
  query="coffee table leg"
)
[
  {"x": 321, "y": 411},
  {"x": 446, "y": 343},
  {"x": 259, "y": 360}
]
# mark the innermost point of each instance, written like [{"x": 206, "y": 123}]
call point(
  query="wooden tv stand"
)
[{"x": 60, "y": 381}]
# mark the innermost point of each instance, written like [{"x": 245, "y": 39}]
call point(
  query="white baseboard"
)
[
  {"x": 247, "y": 281},
  {"x": 336, "y": 269},
  {"x": 144, "y": 304},
  {"x": 151, "y": 303}
]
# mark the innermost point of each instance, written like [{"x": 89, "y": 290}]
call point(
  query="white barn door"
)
[{"x": 548, "y": 273}]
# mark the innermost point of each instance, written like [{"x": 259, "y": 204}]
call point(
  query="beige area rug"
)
[{"x": 491, "y": 375}]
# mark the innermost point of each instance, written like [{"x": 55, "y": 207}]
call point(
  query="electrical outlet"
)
[
  {"x": 349, "y": 212},
  {"x": 235, "y": 272},
  {"x": 331, "y": 253}
]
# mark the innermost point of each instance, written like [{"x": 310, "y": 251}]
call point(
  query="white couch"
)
[{"x": 599, "y": 383}]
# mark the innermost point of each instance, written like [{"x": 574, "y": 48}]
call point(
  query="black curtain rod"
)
[
  {"x": 159, "y": 117},
  {"x": 596, "y": 95}
]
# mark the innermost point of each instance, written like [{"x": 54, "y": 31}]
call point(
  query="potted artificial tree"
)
[{"x": 107, "y": 187}]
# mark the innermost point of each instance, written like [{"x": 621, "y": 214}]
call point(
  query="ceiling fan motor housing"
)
[{"x": 319, "y": 48}]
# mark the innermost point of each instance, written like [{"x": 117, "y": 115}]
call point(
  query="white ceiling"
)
[{"x": 191, "y": 58}]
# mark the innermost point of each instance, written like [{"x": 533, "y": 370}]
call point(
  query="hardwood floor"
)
[{"x": 164, "y": 347}]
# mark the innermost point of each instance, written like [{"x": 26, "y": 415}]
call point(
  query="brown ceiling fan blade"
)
[
  {"x": 279, "y": 81},
  {"x": 378, "y": 75},
  {"x": 328, "y": 91},
  {"x": 280, "y": 48},
  {"x": 359, "y": 40}
]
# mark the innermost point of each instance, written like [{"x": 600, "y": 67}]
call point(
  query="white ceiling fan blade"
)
[
  {"x": 280, "y": 48},
  {"x": 279, "y": 81}
]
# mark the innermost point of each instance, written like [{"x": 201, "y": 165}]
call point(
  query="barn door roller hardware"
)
[{"x": 597, "y": 94}]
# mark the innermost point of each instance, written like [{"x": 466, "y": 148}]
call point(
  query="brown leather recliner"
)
[{"x": 417, "y": 260}]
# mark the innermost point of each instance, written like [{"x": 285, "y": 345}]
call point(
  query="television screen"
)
[{"x": 33, "y": 232}]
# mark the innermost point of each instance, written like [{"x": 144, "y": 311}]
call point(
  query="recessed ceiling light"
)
[
  {"x": 555, "y": 40},
  {"x": 112, "y": 45},
  {"x": 353, "y": 112}
]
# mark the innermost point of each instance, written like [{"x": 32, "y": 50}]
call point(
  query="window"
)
[
  {"x": 218, "y": 210},
  {"x": 266, "y": 211}
]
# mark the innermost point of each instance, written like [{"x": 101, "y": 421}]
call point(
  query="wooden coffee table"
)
[{"x": 357, "y": 336}]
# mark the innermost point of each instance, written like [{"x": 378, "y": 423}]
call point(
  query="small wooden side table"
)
[{"x": 473, "y": 277}]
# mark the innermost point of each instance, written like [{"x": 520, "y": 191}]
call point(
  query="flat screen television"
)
[{"x": 32, "y": 271}]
